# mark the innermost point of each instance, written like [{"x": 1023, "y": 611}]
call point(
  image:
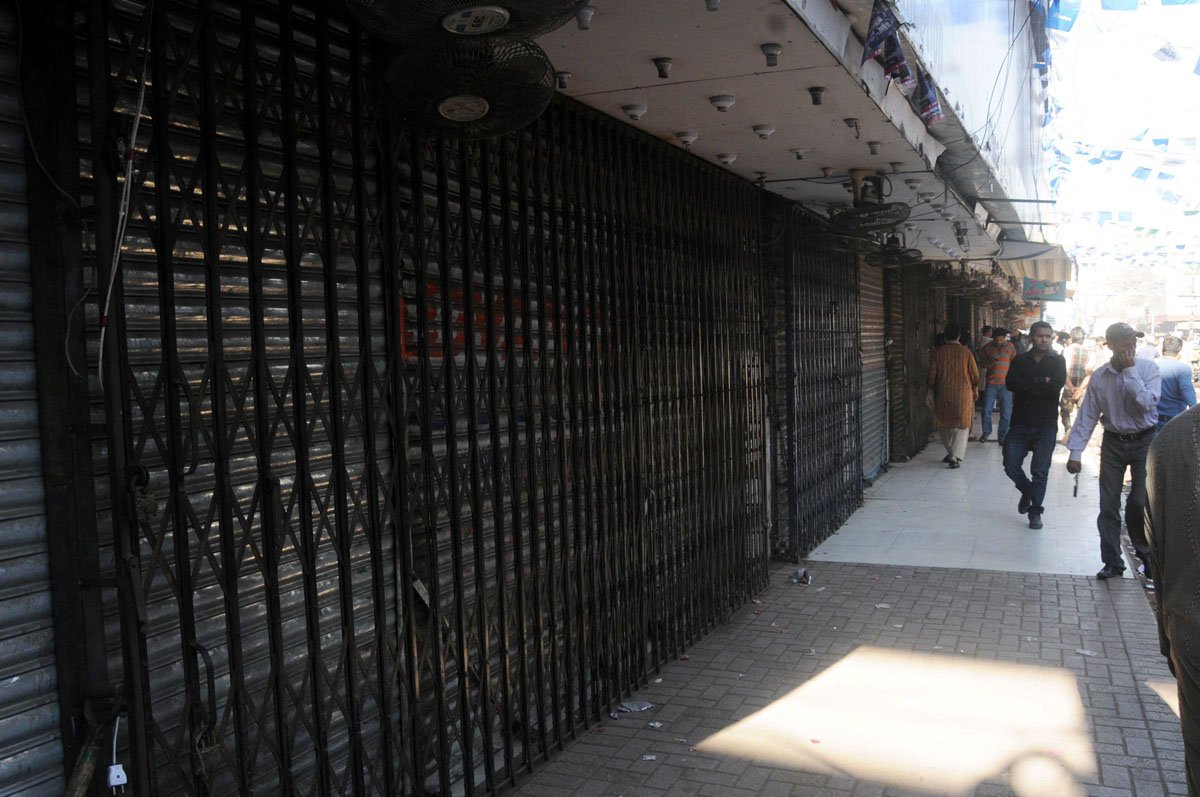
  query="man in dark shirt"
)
[{"x": 1035, "y": 379}]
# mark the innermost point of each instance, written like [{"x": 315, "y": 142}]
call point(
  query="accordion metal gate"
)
[
  {"x": 420, "y": 452},
  {"x": 815, "y": 384}
]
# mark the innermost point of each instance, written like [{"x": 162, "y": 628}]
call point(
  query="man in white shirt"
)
[{"x": 1123, "y": 397}]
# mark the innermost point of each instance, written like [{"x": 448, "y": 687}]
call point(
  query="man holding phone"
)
[{"x": 1122, "y": 396}]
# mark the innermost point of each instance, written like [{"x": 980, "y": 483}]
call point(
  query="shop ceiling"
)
[{"x": 715, "y": 53}]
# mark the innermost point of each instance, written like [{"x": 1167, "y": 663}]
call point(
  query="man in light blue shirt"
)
[
  {"x": 1123, "y": 397},
  {"x": 1177, "y": 391}
]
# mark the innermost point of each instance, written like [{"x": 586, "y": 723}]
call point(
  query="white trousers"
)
[{"x": 955, "y": 441}]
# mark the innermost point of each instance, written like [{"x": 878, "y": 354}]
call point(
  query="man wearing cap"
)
[
  {"x": 994, "y": 360},
  {"x": 1123, "y": 397}
]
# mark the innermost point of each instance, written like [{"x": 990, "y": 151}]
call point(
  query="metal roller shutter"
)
[
  {"x": 30, "y": 743},
  {"x": 897, "y": 372},
  {"x": 874, "y": 415}
]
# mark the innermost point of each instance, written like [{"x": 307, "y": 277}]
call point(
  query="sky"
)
[{"x": 1123, "y": 135}]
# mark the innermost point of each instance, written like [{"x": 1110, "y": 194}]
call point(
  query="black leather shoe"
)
[
  {"x": 1024, "y": 504},
  {"x": 1035, "y": 520},
  {"x": 947, "y": 458},
  {"x": 984, "y": 438},
  {"x": 955, "y": 463},
  {"x": 1110, "y": 572}
]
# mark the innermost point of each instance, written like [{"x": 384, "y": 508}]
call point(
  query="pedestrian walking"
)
[
  {"x": 1177, "y": 391},
  {"x": 1123, "y": 397},
  {"x": 953, "y": 387},
  {"x": 1173, "y": 531},
  {"x": 994, "y": 360},
  {"x": 1079, "y": 372},
  {"x": 1035, "y": 380}
]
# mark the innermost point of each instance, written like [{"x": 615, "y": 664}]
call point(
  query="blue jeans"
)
[
  {"x": 1020, "y": 441},
  {"x": 990, "y": 394}
]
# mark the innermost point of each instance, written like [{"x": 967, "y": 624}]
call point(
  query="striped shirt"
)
[
  {"x": 995, "y": 359},
  {"x": 1077, "y": 363}
]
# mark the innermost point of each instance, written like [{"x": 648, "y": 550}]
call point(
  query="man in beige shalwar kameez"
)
[{"x": 953, "y": 386}]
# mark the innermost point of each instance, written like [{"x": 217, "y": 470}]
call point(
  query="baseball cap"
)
[{"x": 1122, "y": 331}]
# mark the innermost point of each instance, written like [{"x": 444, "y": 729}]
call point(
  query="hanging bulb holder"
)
[
  {"x": 722, "y": 102},
  {"x": 827, "y": 172},
  {"x": 634, "y": 111},
  {"x": 583, "y": 17},
  {"x": 727, "y": 158},
  {"x": 562, "y": 78},
  {"x": 799, "y": 152},
  {"x": 873, "y": 147},
  {"x": 663, "y": 65},
  {"x": 687, "y": 138},
  {"x": 816, "y": 93},
  {"x": 852, "y": 123},
  {"x": 895, "y": 166},
  {"x": 763, "y": 131},
  {"x": 771, "y": 50}
]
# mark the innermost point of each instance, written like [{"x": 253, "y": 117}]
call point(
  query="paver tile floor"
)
[{"x": 942, "y": 648}]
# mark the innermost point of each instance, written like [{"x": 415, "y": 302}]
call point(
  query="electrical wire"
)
[
  {"x": 126, "y": 190},
  {"x": 116, "y": 732}
]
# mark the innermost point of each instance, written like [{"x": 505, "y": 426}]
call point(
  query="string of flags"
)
[{"x": 883, "y": 41}]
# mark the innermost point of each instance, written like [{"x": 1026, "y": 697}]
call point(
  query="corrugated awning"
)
[{"x": 1039, "y": 261}]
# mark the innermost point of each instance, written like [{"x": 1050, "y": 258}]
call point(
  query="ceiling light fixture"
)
[
  {"x": 722, "y": 102},
  {"x": 771, "y": 51},
  {"x": 800, "y": 152},
  {"x": 562, "y": 78},
  {"x": 873, "y": 147},
  {"x": 895, "y": 166},
  {"x": 687, "y": 138},
  {"x": 727, "y": 158},
  {"x": 634, "y": 111},
  {"x": 712, "y": 5},
  {"x": 763, "y": 131},
  {"x": 583, "y": 18},
  {"x": 912, "y": 183},
  {"x": 852, "y": 123},
  {"x": 827, "y": 171},
  {"x": 663, "y": 65},
  {"x": 816, "y": 92}
]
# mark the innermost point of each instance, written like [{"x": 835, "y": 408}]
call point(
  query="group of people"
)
[
  {"x": 1042, "y": 379},
  {"x": 1144, "y": 400}
]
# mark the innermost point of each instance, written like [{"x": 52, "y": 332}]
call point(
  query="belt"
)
[{"x": 1132, "y": 435}]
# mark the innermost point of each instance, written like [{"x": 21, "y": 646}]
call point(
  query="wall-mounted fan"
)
[
  {"x": 472, "y": 87},
  {"x": 894, "y": 254},
  {"x": 846, "y": 244},
  {"x": 420, "y": 21},
  {"x": 870, "y": 213}
]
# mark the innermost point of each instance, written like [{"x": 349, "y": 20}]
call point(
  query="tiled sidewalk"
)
[{"x": 938, "y": 627}]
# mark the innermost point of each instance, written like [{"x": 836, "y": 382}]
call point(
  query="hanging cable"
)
[{"x": 123, "y": 212}]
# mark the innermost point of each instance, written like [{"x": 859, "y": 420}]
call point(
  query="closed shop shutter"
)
[
  {"x": 30, "y": 744},
  {"x": 894, "y": 359},
  {"x": 874, "y": 372}
]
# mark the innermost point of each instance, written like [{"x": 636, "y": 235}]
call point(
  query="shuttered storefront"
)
[
  {"x": 30, "y": 745},
  {"x": 874, "y": 412},
  {"x": 812, "y": 303},
  {"x": 431, "y": 449}
]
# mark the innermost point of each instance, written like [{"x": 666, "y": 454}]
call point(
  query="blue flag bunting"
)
[
  {"x": 1119, "y": 5},
  {"x": 1112, "y": 154},
  {"x": 1161, "y": 143},
  {"x": 1179, "y": 2},
  {"x": 1062, "y": 15},
  {"x": 883, "y": 24},
  {"x": 1141, "y": 173}
]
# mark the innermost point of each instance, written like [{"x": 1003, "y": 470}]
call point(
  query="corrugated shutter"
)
[
  {"x": 874, "y": 372},
  {"x": 896, "y": 369},
  {"x": 30, "y": 744}
]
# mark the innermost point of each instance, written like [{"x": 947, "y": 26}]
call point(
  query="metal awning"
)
[{"x": 1040, "y": 261}]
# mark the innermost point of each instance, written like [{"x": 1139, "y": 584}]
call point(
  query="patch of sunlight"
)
[
  {"x": 1168, "y": 691},
  {"x": 925, "y": 722}
]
